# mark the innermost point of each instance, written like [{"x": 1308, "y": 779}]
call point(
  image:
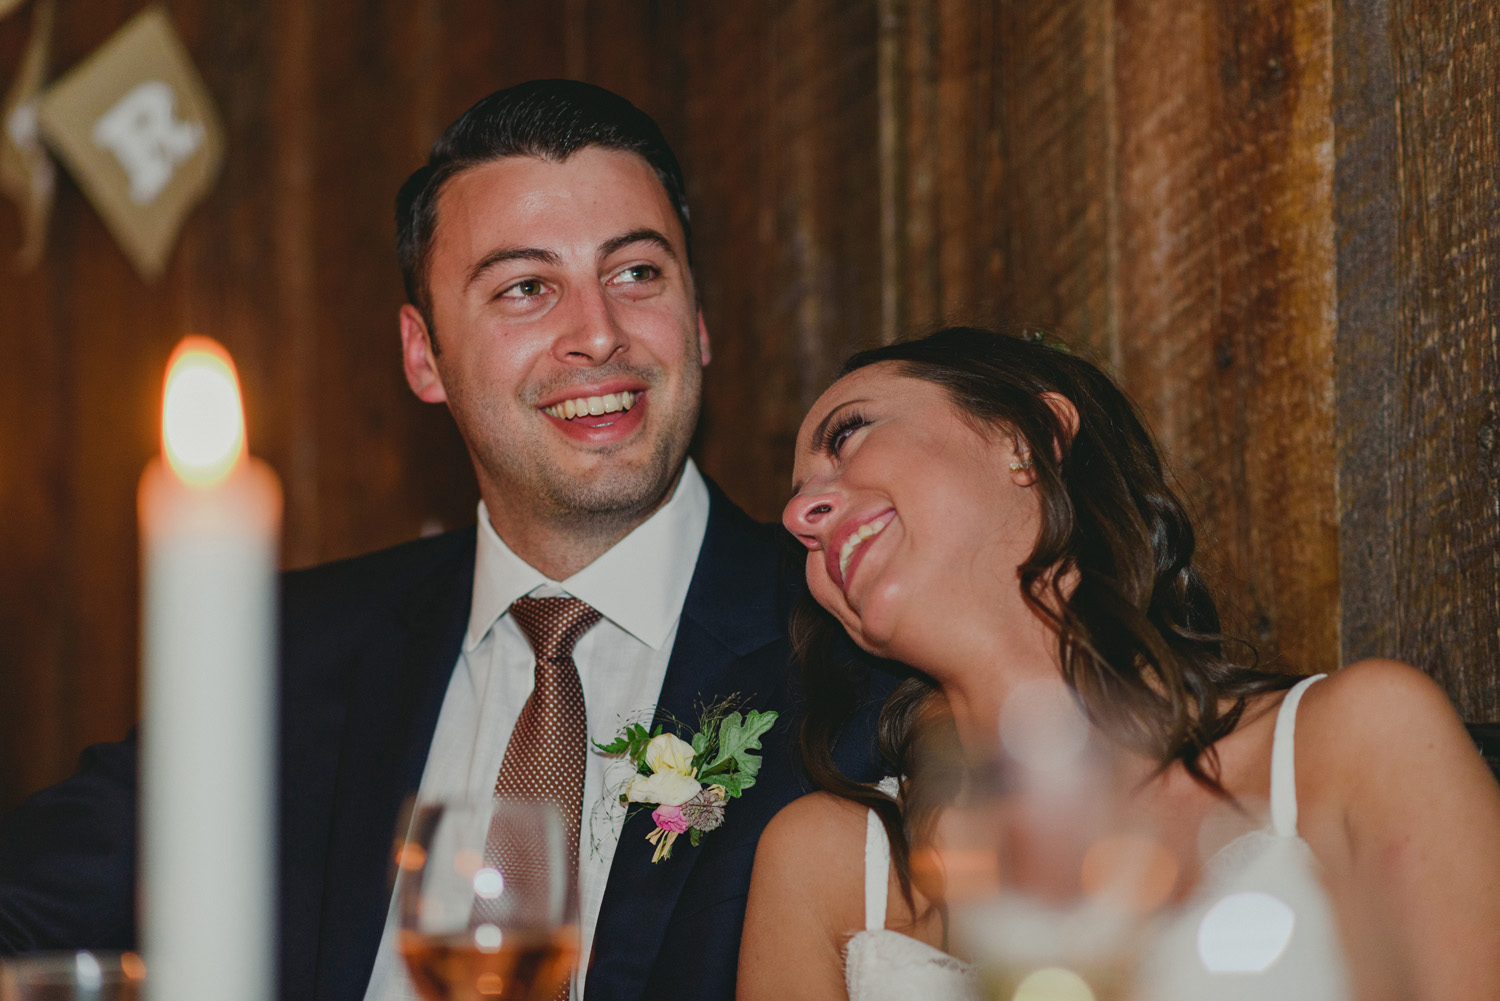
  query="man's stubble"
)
[{"x": 617, "y": 495}]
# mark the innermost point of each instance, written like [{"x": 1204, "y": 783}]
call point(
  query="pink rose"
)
[{"x": 669, "y": 818}]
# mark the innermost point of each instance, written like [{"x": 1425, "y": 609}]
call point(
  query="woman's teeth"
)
[
  {"x": 591, "y": 406},
  {"x": 868, "y": 530}
]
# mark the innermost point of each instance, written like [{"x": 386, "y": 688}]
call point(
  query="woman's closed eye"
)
[{"x": 839, "y": 431}]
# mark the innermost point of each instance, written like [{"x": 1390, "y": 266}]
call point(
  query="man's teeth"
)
[
  {"x": 868, "y": 530},
  {"x": 591, "y": 406}
]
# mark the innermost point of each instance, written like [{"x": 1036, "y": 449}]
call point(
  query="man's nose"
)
[
  {"x": 807, "y": 514},
  {"x": 593, "y": 334}
]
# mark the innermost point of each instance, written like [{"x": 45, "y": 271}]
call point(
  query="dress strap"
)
[
  {"x": 1283, "y": 763},
  {"x": 877, "y": 863}
]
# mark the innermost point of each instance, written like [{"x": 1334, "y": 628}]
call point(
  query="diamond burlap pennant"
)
[
  {"x": 27, "y": 174},
  {"x": 138, "y": 131}
]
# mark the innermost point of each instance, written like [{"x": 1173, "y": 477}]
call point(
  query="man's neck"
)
[{"x": 559, "y": 546}]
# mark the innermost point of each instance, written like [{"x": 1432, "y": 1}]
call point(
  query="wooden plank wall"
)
[
  {"x": 1153, "y": 182},
  {"x": 1418, "y": 213},
  {"x": 1273, "y": 218},
  {"x": 1226, "y": 292}
]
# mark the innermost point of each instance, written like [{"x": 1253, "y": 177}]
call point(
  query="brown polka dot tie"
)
[{"x": 549, "y": 746}]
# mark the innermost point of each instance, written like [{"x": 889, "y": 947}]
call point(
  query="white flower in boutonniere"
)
[
  {"x": 691, "y": 780},
  {"x": 669, "y": 753},
  {"x": 666, "y": 788}
]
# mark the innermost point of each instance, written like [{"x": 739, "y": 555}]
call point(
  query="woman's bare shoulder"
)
[
  {"x": 806, "y": 895},
  {"x": 1405, "y": 816},
  {"x": 1379, "y": 729},
  {"x": 819, "y": 834},
  {"x": 1375, "y": 700}
]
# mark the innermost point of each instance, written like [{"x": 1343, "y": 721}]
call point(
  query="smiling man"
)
[
  {"x": 571, "y": 348},
  {"x": 545, "y": 248},
  {"x": 545, "y": 252}
]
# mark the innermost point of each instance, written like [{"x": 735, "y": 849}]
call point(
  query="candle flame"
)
[{"x": 202, "y": 422}]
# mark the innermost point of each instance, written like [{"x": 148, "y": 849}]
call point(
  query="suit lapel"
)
[
  {"x": 731, "y": 610},
  {"x": 396, "y": 694}
]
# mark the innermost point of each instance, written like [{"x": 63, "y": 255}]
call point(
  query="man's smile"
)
[{"x": 591, "y": 406}]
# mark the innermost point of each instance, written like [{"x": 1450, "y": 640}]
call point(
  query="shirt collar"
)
[{"x": 639, "y": 584}]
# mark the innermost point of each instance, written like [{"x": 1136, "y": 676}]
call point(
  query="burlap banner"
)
[
  {"x": 136, "y": 128},
  {"x": 27, "y": 175}
]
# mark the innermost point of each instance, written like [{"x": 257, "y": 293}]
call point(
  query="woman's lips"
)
[{"x": 852, "y": 549}]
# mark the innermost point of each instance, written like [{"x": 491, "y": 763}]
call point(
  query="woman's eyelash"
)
[{"x": 834, "y": 435}]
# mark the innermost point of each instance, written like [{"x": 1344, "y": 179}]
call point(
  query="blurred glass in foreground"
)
[
  {"x": 73, "y": 976},
  {"x": 487, "y": 902},
  {"x": 1055, "y": 885}
]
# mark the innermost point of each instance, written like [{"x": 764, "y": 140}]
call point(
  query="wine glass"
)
[
  {"x": 1056, "y": 883},
  {"x": 72, "y": 976},
  {"x": 487, "y": 901}
]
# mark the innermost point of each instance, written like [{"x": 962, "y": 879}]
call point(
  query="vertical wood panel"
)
[
  {"x": 33, "y": 518},
  {"x": 1051, "y": 239},
  {"x": 1446, "y": 498},
  {"x": 781, "y": 124},
  {"x": 1369, "y": 311},
  {"x": 101, "y": 326},
  {"x": 1419, "y": 358},
  {"x": 1226, "y": 291},
  {"x": 1005, "y": 161}
]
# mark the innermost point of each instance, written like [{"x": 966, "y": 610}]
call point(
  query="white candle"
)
[{"x": 210, "y": 517}]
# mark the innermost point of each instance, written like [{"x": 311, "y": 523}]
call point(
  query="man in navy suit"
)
[{"x": 545, "y": 248}]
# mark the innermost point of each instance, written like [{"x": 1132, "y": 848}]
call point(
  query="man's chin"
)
[{"x": 632, "y": 491}]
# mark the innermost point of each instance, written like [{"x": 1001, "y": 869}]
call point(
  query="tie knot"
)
[{"x": 553, "y": 625}]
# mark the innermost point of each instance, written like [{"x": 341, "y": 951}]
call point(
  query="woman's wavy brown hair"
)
[{"x": 1139, "y": 639}]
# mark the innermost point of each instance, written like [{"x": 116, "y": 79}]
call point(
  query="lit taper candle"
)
[{"x": 210, "y": 517}]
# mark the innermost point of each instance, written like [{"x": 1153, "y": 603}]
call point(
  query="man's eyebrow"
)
[
  {"x": 644, "y": 235},
  {"x": 504, "y": 254},
  {"x": 821, "y": 430}
]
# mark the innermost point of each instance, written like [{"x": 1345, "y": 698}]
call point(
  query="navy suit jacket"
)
[{"x": 368, "y": 645}]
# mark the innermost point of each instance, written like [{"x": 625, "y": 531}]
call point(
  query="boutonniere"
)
[{"x": 689, "y": 776}]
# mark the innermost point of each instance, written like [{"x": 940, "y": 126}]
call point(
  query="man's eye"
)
[
  {"x": 525, "y": 290},
  {"x": 636, "y": 273}
]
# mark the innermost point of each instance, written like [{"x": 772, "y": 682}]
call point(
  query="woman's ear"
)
[
  {"x": 1067, "y": 416},
  {"x": 1022, "y": 465}
]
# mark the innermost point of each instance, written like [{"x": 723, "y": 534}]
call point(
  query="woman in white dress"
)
[{"x": 989, "y": 510}]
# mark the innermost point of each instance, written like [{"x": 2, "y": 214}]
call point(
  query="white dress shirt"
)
[{"x": 638, "y": 586}]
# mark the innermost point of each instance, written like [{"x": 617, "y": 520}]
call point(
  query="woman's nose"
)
[{"x": 807, "y": 513}]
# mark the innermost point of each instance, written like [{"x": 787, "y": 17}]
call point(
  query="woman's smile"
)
[{"x": 851, "y": 550}]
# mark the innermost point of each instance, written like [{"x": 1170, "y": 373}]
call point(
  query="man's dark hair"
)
[{"x": 546, "y": 119}]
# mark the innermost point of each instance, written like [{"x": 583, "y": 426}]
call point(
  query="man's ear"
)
[
  {"x": 419, "y": 358},
  {"x": 704, "y": 354}
]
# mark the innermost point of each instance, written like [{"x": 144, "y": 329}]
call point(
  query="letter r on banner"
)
[
  {"x": 143, "y": 132},
  {"x": 138, "y": 131}
]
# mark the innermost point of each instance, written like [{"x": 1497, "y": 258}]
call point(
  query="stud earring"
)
[{"x": 1020, "y": 464}]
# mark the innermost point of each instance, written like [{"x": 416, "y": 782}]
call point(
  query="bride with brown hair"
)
[{"x": 989, "y": 510}]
